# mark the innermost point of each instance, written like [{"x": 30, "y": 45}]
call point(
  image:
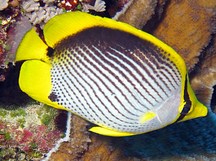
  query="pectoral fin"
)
[{"x": 147, "y": 116}]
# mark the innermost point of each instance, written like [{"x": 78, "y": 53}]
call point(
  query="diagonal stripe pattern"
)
[{"x": 112, "y": 78}]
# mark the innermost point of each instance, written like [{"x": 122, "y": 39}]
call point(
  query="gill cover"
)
[{"x": 118, "y": 77}]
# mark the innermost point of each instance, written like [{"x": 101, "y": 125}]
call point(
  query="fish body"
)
[{"x": 122, "y": 79}]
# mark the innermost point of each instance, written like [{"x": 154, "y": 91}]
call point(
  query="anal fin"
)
[{"x": 109, "y": 132}]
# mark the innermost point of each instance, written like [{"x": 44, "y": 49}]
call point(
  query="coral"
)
[
  {"x": 121, "y": 7},
  {"x": 69, "y": 4},
  {"x": 63, "y": 139},
  {"x": 3, "y": 113},
  {"x": 187, "y": 26},
  {"x": 3, "y": 4},
  {"x": 25, "y": 129},
  {"x": 39, "y": 14},
  {"x": 138, "y": 13},
  {"x": 14, "y": 3},
  {"x": 8, "y": 153},
  {"x": 204, "y": 78},
  {"x": 18, "y": 112},
  {"x": 175, "y": 142},
  {"x": 3, "y": 37},
  {"x": 7, "y": 20},
  {"x": 77, "y": 143},
  {"x": 99, "y": 6},
  {"x": 47, "y": 116},
  {"x": 37, "y": 138},
  {"x": 15, "y": 35}
]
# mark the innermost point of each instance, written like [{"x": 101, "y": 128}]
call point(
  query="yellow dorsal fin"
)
[
  {"x": 35, "y": 80},
  {"x": 67, "y": 24},
  {"x": 31, "y": 47},
  {"x": 109, "y": 132}
]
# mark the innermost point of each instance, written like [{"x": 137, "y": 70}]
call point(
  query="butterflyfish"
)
[{"x": 119, "y": 78}]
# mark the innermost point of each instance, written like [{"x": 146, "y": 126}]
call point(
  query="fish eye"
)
[{"x": 50, "y": 51}]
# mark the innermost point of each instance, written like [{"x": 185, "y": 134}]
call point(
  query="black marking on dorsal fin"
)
[{"x": 40, "y": 33}]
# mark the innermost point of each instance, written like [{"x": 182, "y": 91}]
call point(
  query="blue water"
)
[{"x": 196, "y": 136}]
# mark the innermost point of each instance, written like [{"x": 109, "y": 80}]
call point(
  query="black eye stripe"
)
[
  {"x": 188, "y": 104},
  {"x": 50, "y": 52}
]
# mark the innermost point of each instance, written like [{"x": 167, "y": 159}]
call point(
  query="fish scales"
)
[{"x": 109, "y": 76}]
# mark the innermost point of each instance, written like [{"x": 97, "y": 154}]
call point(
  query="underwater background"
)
[{"x": 33, "y": 131}]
